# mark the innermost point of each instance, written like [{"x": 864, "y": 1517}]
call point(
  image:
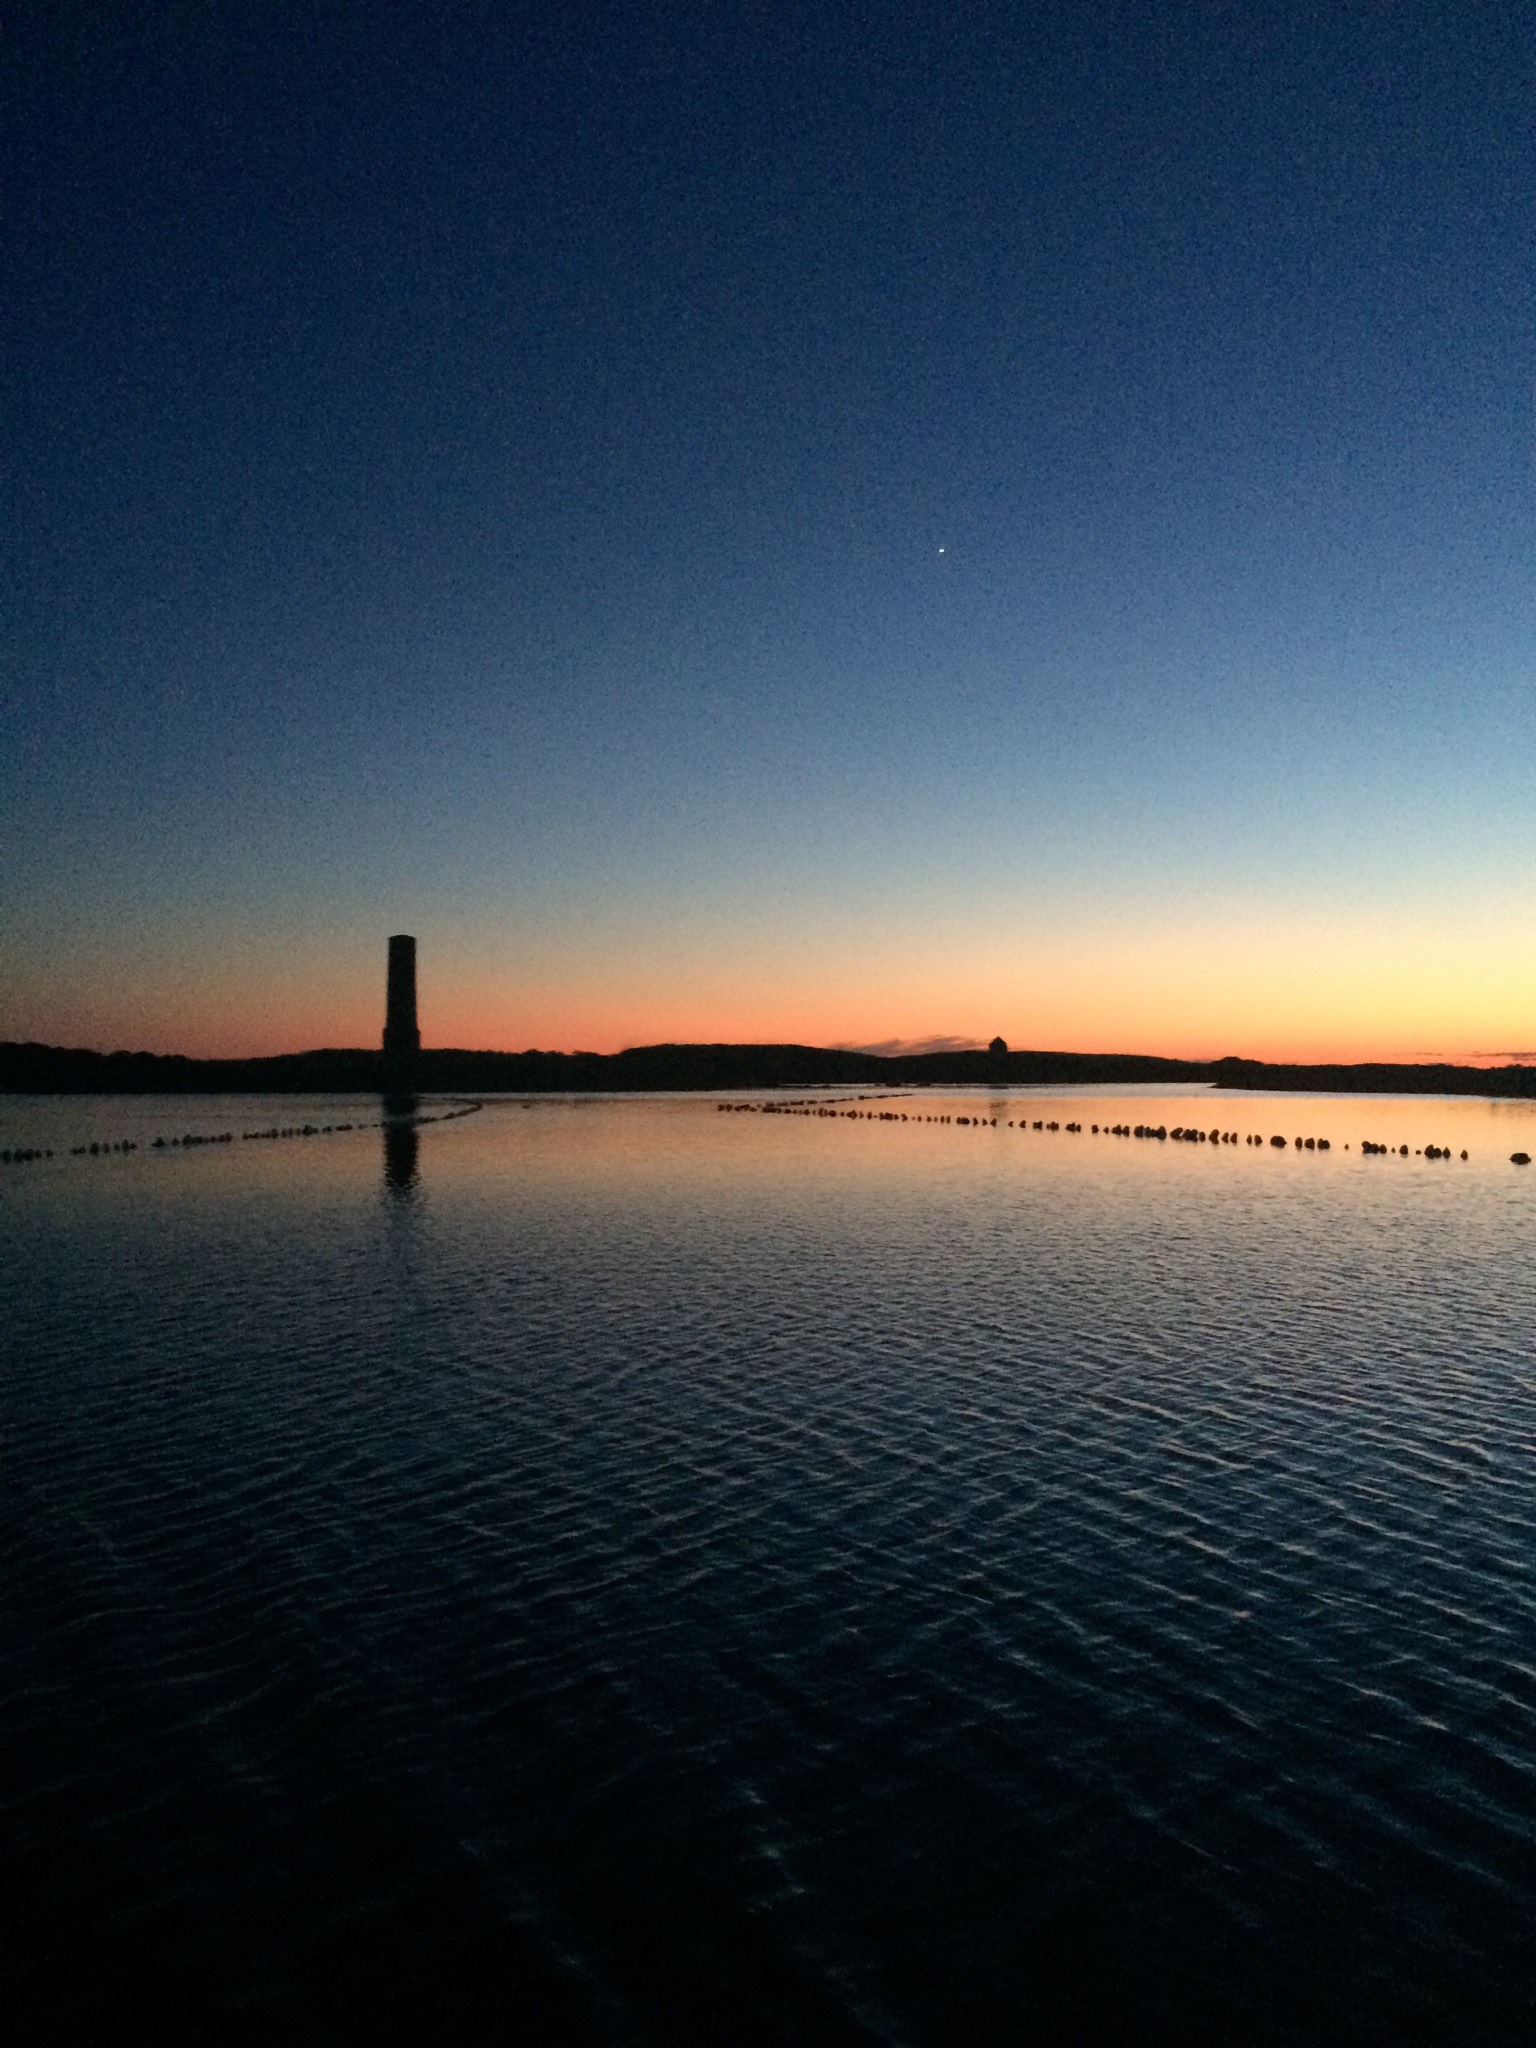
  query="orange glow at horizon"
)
[{"x": 1277, "y": 989}]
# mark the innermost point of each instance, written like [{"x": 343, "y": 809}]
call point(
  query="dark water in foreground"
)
[{"x": 622, "y": 1572}]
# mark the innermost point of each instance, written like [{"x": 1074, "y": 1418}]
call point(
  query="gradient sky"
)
[{"x": 771, "y": 522}]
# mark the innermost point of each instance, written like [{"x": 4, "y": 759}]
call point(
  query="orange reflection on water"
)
[{"x": 604, "y": 1149}]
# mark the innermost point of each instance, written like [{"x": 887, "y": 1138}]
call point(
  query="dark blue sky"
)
[{"x": 769, "y": 521}]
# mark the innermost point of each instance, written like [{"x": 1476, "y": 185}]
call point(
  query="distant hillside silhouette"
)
[{"x": 29, "y": 1069}]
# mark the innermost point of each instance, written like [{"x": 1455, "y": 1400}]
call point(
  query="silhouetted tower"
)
[{"x": 402, "y": 1040}]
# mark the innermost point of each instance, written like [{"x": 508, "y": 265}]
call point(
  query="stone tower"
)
[{"x": 402, "y": 1040}]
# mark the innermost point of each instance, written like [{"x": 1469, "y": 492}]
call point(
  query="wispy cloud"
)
[
  {"x": 890, "y": 1048},
  {"x": 1508, "y": 1059}
]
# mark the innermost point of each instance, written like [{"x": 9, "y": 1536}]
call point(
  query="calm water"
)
[{"x": 618, "y": 1571}]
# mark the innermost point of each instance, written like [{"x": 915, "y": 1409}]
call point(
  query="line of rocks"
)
[
  {"x": 1179, "y": 1133},
  {"x": 20, "y": 1155}
]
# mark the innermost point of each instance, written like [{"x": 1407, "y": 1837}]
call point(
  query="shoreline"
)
[{"x": 32, "y": 1069}]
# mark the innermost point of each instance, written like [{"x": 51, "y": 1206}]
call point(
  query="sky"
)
[{"x": 853, "y": 525}]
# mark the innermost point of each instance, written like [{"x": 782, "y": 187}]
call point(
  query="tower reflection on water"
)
[{"x": 402, "y": 1148}]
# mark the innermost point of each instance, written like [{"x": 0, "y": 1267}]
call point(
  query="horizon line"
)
[{"x": 888, "y": 1050}]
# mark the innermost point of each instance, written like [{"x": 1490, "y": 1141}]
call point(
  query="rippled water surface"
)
[{"x": 623, "y": 1571}]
